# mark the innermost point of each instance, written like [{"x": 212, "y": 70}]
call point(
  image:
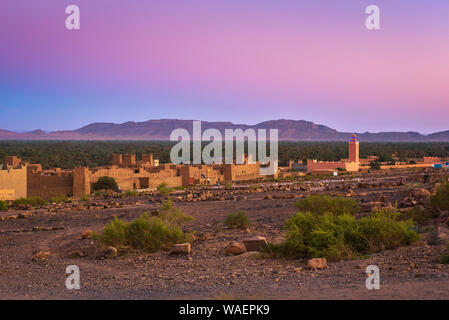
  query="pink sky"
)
[{"x": 225, "y": 61}]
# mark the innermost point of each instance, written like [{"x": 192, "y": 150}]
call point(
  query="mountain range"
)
[{"x": 289, "y": 130}]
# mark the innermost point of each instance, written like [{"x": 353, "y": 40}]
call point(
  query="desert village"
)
[{"x": 20, "y": 179}]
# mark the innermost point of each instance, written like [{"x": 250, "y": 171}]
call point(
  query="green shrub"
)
[
  {"x": 106, "y": 183},
  {"x": 147, "y": 233},
  {"x": 164, "y": 189},
  {"x": 32, "y": 201},
  {"x": 132, "y": 193},
  {"x": 321, "y": 204},
  {"x": 441, "y": 199},
  {"x": 416, "y": 214},
  {"x": 60, "y": 198},
  {"x": 3, "y": 205},
  {"x": 238, "y": 220},
  {"x": 85, "y": 197},
  {"x": 444, "y": 259},
  {"x": 171, "y": 214},
  {"x": 342, "y": 236}
]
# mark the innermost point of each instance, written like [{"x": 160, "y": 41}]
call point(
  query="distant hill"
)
[{"x": 291, "y": 130}]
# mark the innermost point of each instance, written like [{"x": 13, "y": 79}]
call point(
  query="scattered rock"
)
[
  {"x": 24, "y": 215},
  {"x": 181, "y": 248},
  {"x": 76, "y": 254},
  {"x": 41, "y": 256},
  {"x": 108, "y": 253},
  {"x": 317, "y": 263},
  {"x": 86, "y": 234},
  {"x": 246, "y": 255},
  {"x": 235, "y": 248},
  {"x": 442, "y": 232},
  {"x": 255, "y": 243}
]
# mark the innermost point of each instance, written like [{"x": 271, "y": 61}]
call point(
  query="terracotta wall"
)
[
  {"x": 13, "y": 183},
  {"x": 49, "y": 186}
]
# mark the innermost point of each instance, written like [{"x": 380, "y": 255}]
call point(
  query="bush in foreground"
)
[
  {"x": 148, "y": 233},
  {"x": 164, "y": 189},
  {"x": 342, "y": 236},
  {"x": 321, "y": 204},
  {"x": 32, "y": 201},
  {"x": 238, "y": 220},
  {"x": 441, "y": 199},
  {"x": 59, "y": 199},
  {"x": 132, "y": 193},
  {"x": 3, "y": 205}
]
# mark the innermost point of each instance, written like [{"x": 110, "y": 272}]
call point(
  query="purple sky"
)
[{"x": 233, "y": 60}]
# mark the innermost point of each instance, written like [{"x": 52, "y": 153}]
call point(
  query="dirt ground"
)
[{"x": 207, "y": 273}]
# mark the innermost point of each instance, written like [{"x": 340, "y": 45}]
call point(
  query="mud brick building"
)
[
  {"x": 13, "y": 179},
  {"x": 350, "y": 164},
  {"x": 21, "y": 179}
]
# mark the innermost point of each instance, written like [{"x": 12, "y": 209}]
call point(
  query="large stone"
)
[
  {"x": 255, "y": 243},
  {"x": 421, "y": 193},
  {"x": 86, "y": 234},
  {"x": 181, "y": 248},
  {"x": 235, "y": 248},
  {"x": 442, "y": 232},
  {"x": 76, "y": 254},
  {"x": 41, "y": 256},
  {"x": 108, "y": 253},
  {"x": 317, "y": 263}
]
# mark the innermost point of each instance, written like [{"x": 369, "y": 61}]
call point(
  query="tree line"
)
[{"x": 70, "y": 154}]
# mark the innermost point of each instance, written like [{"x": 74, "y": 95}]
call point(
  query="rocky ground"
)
[{"x": 207, "y": 273}]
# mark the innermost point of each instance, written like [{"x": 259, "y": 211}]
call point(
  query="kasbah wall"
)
[
  {"x": 27, "y": 180},
  {"x": 13, "y": 183}
]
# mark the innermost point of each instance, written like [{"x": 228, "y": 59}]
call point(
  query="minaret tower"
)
[{"x": 354, "y": 149}]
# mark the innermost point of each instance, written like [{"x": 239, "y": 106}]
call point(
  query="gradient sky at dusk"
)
[{"x": 235, "y": 60}]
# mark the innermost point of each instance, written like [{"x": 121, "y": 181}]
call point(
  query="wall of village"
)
[
  {"x": 13, "y": 183},
  {"x": 313, "y": 165},
  {"x": 241, "y": 172},
  {"x": 49, "y": 185},
  {"x": 126, "y": 178}
]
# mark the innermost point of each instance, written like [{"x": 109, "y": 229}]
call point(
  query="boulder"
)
[
  {"x": 181, "y": 248},
  {"x": 76, "y": 254},
  {"x": 41, "y": 256},
  {"x": 317, "y": 263},
  {"x": 235, "y": 248},
  {"x": 442, "y": 232},
  {"x": 108, "y": 253},
  {"x": 86, "y": 234},
  {"x": 24, "y": 215},
  {"x": 255, "y": 243}
]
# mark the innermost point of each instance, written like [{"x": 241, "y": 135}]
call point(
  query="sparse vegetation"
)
[
  {"x": 417, "y": 215},
  {"x": 163, "y": 189},
  {"x": 171, "y": 214},
  {"x": 441, "y": 199},
  {"x": 132, "y": 193},
  {"x": 342, "y": 236},
  {"x": 321, "y": 204},
  {"x": 238, "y": 220},
  {"x": 3, "y": 205},
  {"x": 85, "y": 198},
  {"x": 106, "y": 183},
  {"x": 445, "y": 258},
  {"x": 148, "y": 233},
  {"x": 59, "y": 199},
  {"x": 36, "y": 202}
]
